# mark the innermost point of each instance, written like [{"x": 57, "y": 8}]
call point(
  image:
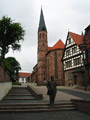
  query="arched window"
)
[
  {"x": 43, "y": 35},
  {"x": 56, "y": 65},
  {"x": 43, "y": 44},
  {"x": 40, "y": 36}
]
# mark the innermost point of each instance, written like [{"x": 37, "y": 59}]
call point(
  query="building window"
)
[
  {"x": 43, "y": 35},
  {"x": 77, "y": 61},
  {"x": 40, "y": 36},
  {"x": 67, "y": 52},
  {"x": 84, "y": 55},
  {"x": 74, "y": 50},
  {"x": 22, "y": 79},
  {"x": 68, "y": 64},
  {"x": 69, "y": 76},
  {"x": 69, "y": 40},
  {"x": 88, "y": 53},
  {"x": 43, "y": 45}
]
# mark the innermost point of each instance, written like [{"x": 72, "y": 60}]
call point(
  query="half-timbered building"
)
[{"x": 73, "y": 61}]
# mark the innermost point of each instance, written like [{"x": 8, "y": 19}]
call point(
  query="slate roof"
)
[{"x": 42, "y": 26}]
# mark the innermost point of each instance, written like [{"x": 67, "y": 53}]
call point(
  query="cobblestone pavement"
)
[
  {"x": 76, "y": 93},
  {"x": 61, "y": 115}
]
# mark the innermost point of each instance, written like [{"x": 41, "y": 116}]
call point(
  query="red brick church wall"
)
[{"x": 51, "y": 66}]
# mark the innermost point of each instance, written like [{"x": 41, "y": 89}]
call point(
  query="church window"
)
[
  {"x": 43, "y": 35},
  {"x": 40, "y": 36},
  {"x": 56, "y": 66},
  {"x": 43, "y": 45}
]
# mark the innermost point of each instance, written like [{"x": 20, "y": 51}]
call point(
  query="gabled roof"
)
[
  {"x": 58, "y": 45},
  {"x": 77, "y": 38},
  {"x": 22, "y": 74},
  {"x": 42, "y": 26}
]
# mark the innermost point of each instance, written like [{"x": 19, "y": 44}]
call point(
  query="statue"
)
[{"x": 52, "y": 90}]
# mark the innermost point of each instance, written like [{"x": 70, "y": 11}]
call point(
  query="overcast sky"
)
[{"x": 60, "y": 16}]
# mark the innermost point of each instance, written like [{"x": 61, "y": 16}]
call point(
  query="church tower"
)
[{"x": 42, "y": 50}]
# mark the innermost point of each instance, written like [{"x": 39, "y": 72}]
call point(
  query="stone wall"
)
[
  {"x": 5, "y": 83},
  {"x": 82, "y": 78},
  {"x": 4, "y": 88},
  {"x": 82, "y": 105}
]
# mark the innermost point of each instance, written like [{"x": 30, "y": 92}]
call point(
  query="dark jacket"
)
[{"x": 52, "y": 90}]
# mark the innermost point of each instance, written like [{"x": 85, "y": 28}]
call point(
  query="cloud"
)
[{"x": 60, "y": 15}]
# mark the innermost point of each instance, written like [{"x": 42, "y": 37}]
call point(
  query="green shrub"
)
[{"x": 16, "y": 83}]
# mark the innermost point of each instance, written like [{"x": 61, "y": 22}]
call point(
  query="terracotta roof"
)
[
  {"x": 77, "y": 38},
  {"x": 50, "y": 48},
  {"x": 22, "y": 74},
  {"x": 58, "y": 45}
]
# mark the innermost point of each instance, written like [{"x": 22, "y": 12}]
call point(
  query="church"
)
[
  {"x": 64, "y": 62},
  {"x": 48, "y": 58}
]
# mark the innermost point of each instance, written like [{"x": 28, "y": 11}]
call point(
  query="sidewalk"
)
[
  {"x": 59, "y": 95},
  {"x": 73, "y": 88}
]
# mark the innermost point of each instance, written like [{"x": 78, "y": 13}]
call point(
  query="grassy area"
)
[{"x": 16, "y": 83}]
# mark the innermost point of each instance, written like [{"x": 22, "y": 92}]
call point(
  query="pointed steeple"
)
[{"x": 42, "y": 26}]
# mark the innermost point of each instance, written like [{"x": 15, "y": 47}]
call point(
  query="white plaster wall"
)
[{"x": 4, "y": 88}]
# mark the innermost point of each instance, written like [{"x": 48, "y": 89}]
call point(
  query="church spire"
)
[{"x": 42, "y": 26}]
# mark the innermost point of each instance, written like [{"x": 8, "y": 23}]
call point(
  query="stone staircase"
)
[{"x": 19, "y": 99}]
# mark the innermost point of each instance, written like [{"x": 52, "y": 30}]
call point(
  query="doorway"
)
[{"x": 75, "y": 79}]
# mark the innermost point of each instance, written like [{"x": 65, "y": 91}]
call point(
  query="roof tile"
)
[
  {"x": 77, "y": 38},
  {"x": 58, "y": 45}
]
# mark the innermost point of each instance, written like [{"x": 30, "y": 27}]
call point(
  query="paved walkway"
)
[
  {"x": 60, "y": 115},
  {"x": 59, "y": 96},
  {"x": 78, "y": 93}
]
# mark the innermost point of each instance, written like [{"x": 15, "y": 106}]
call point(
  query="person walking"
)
[{"x": 52, "y": 90}]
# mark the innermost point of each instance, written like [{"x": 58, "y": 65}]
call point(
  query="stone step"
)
[
  {"x": 20, "y": 95},
  {"x": 35, "y": 107},
  {"x": 37, "y": 110},
  {"x": 34, "y": 104},
  {"x": 20, "y": 98}
]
